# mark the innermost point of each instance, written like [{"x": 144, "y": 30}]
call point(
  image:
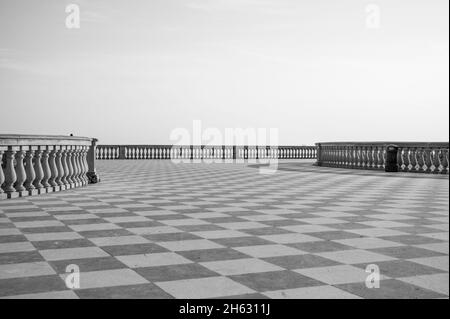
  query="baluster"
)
[
  {"x": 375, "y": 156},
  {"x": 69, "y": 177},
  {"x": 46, "y": 168},
  {"x": 39, "y": 172},
  {"x": 2, "y": 175},
  {"x": 444, "y": 161},
  {"x": 358, "y": 157},
  {"x": 420, "y": 159},
  {"x": 76, "y": 169},
  {"x": 10, "y": 173},
  {"x": 59, "y": 168},
  {"x": 412, "y": 159},
  {"x": 80, "y": 165},
  {"x": 403, "y": 158},
  {"x": 428, "y": 159},
  {"x": 85, "y": 165},
  {"x": 370, "y": 157},
  {"x": 436, "y": 160},
  {"x": 29, "y": 170},
  {"x": 64, "y": 166},
  {"x": 20, "y": 171}
]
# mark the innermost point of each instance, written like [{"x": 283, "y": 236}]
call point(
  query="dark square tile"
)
[
  {"x": 406, "y": 252},
  {"x": 221, "y": 220},
  {"x": 28, "y": 285},
  {"x": 275, "y": 280},
  {"x": 31, "y": 218},
  {"x": 88, "y": 264},
  {"x": 12, "y": 238},
  {"x": 52, "y": 229},
  {"x": 350, "y": 225},
  {"x": 55, "y": 244},
  {"x": 301, "y": 261},
  {"x": 266, "y": 231},
  {"x": 282, "y": 222},
  {"x": 390, "y": 289},
  {"x": 86, "y": 221},
  {"x": 143, "y": 291},
  {"x": 204, "y": 255},
  {"x": 20, "y": 257},
  {"x": 412, "y": 239},
  {"x": 416, "y": 229},
  {"x": 133, "y": 249},
  {"x": 192, "y": 228},
  {"x": 106, "y": 233},
  {"x": 168, "y": 217},
  {"x": 334, "y": 235},
  {"x": 140, "y": 224},
  {"x": 320, "y": 246},
  {"x": 175, "y": 272},
  {"x": 242, "y": 241},
  {"x": 171, "y": 237}
]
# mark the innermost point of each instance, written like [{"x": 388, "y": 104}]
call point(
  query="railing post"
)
[
  {"x": 391, "y": 159},
  {"x": 92, "y": 173},
  {"x": 319, "y": 154},
  {"x": 122, "y": 152}
]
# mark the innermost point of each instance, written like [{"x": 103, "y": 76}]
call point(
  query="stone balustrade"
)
[
  {"x": 411, "y": 156},
  {"x": 202, "y": 152},
  {"x": 36, "y": 164}
]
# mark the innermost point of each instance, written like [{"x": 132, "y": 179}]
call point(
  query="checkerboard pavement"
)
[{"x": 155, "y": 229}]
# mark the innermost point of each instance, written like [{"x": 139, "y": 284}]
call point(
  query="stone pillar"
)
[
  {"x": 319, "y": 154},
  {"x": 92, "y": 172}
]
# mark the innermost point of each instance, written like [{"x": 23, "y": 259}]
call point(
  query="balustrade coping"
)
[
  {"x": 44, "y": 140},
  {"x": 172, "y": 146}
]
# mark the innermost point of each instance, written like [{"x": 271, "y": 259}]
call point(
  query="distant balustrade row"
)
[
  {"x": 32, "y": 164},
  {"x": 409, "y": 157},
  {"x": 200, "y": 152}
]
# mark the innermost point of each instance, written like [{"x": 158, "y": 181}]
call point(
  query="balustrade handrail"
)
[{"x": 36, "y": 164}]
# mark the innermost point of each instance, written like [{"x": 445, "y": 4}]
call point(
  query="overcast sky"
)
[{"x": 136, "y": 70}]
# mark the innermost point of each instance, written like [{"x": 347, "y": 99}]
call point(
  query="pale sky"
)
[{"x": 136, "y": 70}]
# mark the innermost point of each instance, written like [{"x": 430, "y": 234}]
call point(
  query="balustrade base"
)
[{"x": 40, "y": 191}]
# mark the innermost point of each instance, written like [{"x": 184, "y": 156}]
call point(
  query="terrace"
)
[{"x": 203, "y": 222}]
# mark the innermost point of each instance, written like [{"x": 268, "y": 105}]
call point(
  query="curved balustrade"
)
[
  {"x": 411, "y": 157},
  {"x": 35, "y": 164},
  {"x": 201, "y": 152}
]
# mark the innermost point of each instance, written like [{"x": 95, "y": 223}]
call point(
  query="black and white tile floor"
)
[{"x": 155, "y": 229}]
